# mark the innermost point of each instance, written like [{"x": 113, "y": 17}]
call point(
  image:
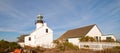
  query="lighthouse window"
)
[
  {"x": 46, "y": 30},
  {"x": 29, "y": 38}
]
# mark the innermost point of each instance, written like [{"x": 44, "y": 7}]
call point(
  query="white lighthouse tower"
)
[
  {"x": 39, "y": 23},
  {"x": 42, "y": 36}
]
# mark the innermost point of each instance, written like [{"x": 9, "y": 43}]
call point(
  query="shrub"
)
[
  {"x": 6, "y": 46},
  {"x": 86, "y": 46},
  {"x": 87, "y": 39},
  {"x": 117, "y": 47},
  {"x": 108, "y": 40},
  {"x": 66, "y": 46},
  {"x": 70, "y": 46},
  {"x": 56, "y": 42}
]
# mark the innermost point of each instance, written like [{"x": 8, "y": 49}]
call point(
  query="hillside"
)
[
  {"x": 70, "y": 48},
  {"x": 56, "y": 50}
]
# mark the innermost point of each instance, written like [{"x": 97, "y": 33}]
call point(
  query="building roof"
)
[{"x": 78, "y": 32}]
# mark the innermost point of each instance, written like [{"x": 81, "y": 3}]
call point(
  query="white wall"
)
[
  {"x": 92, "y": 45},
  {"x": 39, "y": 37},
  {"x": 94, "y": 32},
  {"x": 29, "y": 43},
  {"x": 38, "y": 25},
  {"x": 22, "y": 44},
  {"x": 104, "y": 37},
  {"x": 73, "y": 40}
]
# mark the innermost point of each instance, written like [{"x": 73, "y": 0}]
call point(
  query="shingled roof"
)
[{"x": 78, "y": 32}]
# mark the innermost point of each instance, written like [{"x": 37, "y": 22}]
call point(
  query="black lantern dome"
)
[{"x": 39, "y": 19}]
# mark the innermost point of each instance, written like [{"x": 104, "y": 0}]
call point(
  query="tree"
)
[
  {"x": 87, "y": 39},
  {"x": 21, "y": 38},
  {"x": 6, "y": 46}
]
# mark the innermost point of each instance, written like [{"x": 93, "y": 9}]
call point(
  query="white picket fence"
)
[{"x": 97, "y": 45}]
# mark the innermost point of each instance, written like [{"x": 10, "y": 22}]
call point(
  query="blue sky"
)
[{"x": 18, "y": 16}]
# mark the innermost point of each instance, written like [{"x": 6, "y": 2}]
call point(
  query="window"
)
[
  {"x": 66, "y": 40},
  {"x": 99, "y": 38},
  {"x": 108, "y": 38},
  {"x": 96, "y": 38},
  {"x": 46, "y": 30},
  {"x": 29, "y": 39}
]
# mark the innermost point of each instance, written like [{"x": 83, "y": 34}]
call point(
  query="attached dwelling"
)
[
  {"x": 108, "y": 36},
  {"x": 91, "y": 31},
  {"x": 74, "y": 35},
  {"x": 42, "y": 36}
]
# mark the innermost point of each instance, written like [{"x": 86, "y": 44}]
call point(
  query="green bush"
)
[
  {"x": 86, "y": 46},
  {"x": 108, "y": 40},
  {"x": 87, "y": 39},
  {"x": 56, "y": 42},
  {"x": 70, "y": 46},
  {"x": 66, "y": 46},
  {"x": 117, "y": 47},
  {"x": 6, "y": 46}
]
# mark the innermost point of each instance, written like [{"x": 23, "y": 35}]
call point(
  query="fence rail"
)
[{"x": 97, "y": 45}]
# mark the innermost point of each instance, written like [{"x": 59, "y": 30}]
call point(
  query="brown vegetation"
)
[
  {"x": 57, "y": 50},
  {"x": 108, "y": 40},
  {"x": 6, "y": 46},
  {"x": 87, "y": 39},
  {"x": 66, "y": 47}
]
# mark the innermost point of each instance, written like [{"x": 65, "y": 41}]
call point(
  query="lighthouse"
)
[
  {"x": 42, "y": 36},
  {"x": 39, "y": 23}
]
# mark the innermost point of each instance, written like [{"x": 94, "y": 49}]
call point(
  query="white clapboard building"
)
[
  {"x": 42, "y": 36},
  {"x": 90, "y": 30},
  {"x": 74, "y": 35}
]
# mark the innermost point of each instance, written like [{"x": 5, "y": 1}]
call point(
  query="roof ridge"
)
[
  {"x": 82, "y": 27},
  {"x": 77, "y": 32}
]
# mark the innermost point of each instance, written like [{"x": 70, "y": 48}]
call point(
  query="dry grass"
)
[
  {"x": 69, "y": 51},
  {"x": 58, "y": 50},
  {"x": 55, "y": 50}
]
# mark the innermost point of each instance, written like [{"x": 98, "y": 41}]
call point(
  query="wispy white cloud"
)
[
  {"x": 13, "y": 30},
  {"x": 10, "y": 10},
  {"x": 100, "y": 14},
  {"x": 61, "y": 15},
  {"x": 18, "y": 19},
  {"x": 57, "y": 13},
  {"x": 6, "y": 30}
]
